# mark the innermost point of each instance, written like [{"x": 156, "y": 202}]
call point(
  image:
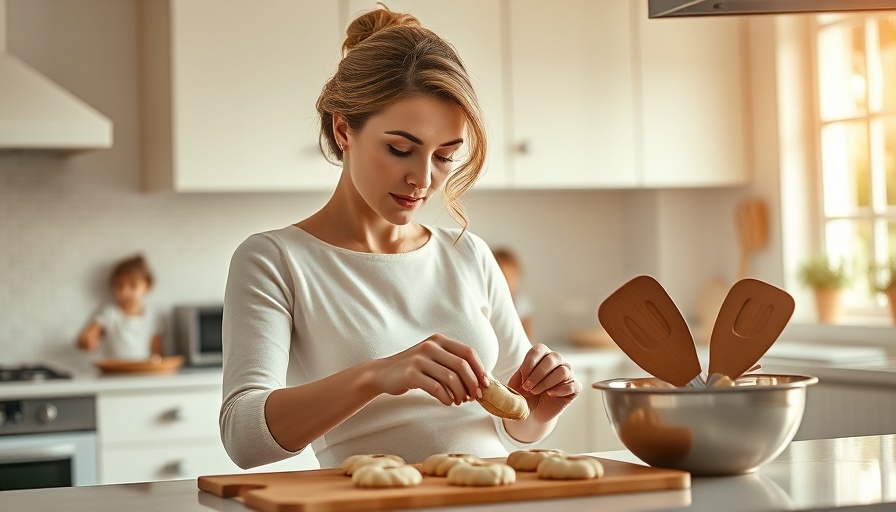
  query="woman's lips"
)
[{"x": 406, "y": 201}]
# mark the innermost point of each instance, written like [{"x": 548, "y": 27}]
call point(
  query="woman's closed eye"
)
[
  {"x": 395, "y": 151},
  {"x": 402, "y": 154}
]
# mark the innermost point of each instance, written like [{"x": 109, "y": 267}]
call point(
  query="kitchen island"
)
[{"x": 843, "y": 473}]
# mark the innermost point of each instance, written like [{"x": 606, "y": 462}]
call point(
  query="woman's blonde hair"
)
[{"x": 388, "y": 56}]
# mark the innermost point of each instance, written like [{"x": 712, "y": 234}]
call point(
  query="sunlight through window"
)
[{"x": 856, "y": 69}]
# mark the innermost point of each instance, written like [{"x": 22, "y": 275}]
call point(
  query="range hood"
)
[
  {"x": 685, "y": 8},
  {"x": 38, "y": 114}
]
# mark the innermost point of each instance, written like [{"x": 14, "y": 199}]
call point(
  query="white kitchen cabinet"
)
[
  {"x": 228, "y": 92},
  {"x": 603, "y": 97},
  {"x": 572, "y": 94},
  {"x": 474, "y": 28},
  {"x": 692, "y": 111},
  {"x": 146, "y": 435},
  {"x": 576, "y": 94}
]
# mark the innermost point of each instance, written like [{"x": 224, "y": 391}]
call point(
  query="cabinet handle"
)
[
  {"x": 175, "y": 467},
  {"x": 522, "y": 148},
  {"x": 171, "y": 415}
]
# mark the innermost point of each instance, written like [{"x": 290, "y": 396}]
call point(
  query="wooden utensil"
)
[
  {"x": 751, "y": 319},
  {"x": 155, "y": 365},
  {"x": 644, "y": 321},
  {"x": 751, "y": 221}
]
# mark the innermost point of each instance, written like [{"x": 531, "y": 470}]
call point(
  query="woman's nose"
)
[{"x": 421, "y": 178}]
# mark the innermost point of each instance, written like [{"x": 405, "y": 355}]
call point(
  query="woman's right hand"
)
[{"x": 446, "y": 369}]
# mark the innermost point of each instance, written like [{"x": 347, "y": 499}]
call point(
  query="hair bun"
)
[{"x": 372, "y": 22}]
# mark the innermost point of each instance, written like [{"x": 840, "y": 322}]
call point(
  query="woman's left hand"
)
[{"x": 546, "y": 381}]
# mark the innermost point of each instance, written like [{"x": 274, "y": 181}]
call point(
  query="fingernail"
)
[
  {"x": 485, "y": 382},
  {"x": 478, "y": 393},
  {"x": 527, "y": 386}
]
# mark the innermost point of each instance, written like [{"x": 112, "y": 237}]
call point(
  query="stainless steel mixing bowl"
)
[{"x": 708, "y": 431}]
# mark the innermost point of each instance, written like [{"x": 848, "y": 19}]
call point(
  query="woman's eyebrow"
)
[{"x": 416, "y": 140}]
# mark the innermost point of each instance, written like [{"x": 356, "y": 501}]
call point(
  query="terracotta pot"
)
[
  {"x": 891, "y": 296},
  {"x": 829, "y": 305}
]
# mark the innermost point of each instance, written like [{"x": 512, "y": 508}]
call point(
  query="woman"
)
[{"x": 356, "y": 329}]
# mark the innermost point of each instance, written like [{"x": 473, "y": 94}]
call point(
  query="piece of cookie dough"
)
[
  {"x": 499, "y": 400},
  {"x": 355, "y": 462},
  {"x": 440, "y": 463},
  {"x": 570, "y": 468},
  {"x": 380, "y": 477},
  {"x": 481, "y": 474},
  {"x": 528, "y": 460}
]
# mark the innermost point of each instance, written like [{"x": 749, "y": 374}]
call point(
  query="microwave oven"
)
[{"x": 197, "y": 334}]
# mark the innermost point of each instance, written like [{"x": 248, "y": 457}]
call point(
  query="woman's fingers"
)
[
  {"x": 444, "y": 376},
  {"x": 460, "y": 366},
  {"x": 539, "y": 362},
  {"x": 561, "y": 373},
  {"x": 568, "y": 388},
  {"x": 467, "y": 354},
  {"x": 433, "y": 387}
]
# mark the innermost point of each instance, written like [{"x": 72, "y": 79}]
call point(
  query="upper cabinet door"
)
[
  {"x": 693, "y": 101},
  {"x": 229, "y": 93},
  {"x": 473, "y": 27},
  {"x": 571, "y": 93}
]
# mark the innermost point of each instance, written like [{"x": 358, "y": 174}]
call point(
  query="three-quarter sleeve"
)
[{"x": 257, "y": 331}]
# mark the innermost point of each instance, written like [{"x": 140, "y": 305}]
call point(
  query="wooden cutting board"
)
[{"x": 326, "y": 490}]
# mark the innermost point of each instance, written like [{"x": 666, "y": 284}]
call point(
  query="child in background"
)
[
  {"x": 130, "y": 329},
  {"x": 510, "y": 266}
]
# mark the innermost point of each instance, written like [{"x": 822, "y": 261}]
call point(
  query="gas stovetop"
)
[{"x": 31, "y": 372}]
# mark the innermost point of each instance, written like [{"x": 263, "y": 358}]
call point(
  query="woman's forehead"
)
[{"x": 433, "y": 120}]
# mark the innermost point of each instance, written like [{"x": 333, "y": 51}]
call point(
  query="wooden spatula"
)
[
  {"x": 751, "y": 319},
  {"x": 644, "y": 321}
]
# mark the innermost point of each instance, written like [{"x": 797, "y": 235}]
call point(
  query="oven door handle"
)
[{"x": 37, "y": 454}]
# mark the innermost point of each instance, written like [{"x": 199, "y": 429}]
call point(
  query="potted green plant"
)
[
  {"x": 884, "y": 281},
  {"x": 827, "y": 280}
]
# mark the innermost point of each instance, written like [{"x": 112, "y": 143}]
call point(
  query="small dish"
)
[
  {"x": 154, "y": 365},
  {"x": 592, "y": 338}
]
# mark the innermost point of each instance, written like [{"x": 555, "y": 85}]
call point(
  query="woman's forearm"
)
[
  {"x": 530, "y": 429},
  {"x": 298, "y": 415}
]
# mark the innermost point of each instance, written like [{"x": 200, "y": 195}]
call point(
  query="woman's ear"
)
[{"x": 340, "y": 131}]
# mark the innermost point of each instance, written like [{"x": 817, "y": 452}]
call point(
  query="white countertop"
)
[
  {"x": 94, "y": 382},
  {"x": 809, "y": 475}
]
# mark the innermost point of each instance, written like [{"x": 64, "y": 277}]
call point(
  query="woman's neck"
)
[{"x": 348, "y": 222}]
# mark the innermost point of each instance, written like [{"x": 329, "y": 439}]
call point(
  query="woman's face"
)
[{"x": 402, "y": 155}]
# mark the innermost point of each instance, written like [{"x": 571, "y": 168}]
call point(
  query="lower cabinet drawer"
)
[
  {"x": 147, "y": 416},
  {"x": 175, "y": 460},
  {"x": 171, "y": 461}
]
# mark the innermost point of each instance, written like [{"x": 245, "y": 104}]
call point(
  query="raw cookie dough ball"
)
[
  {"x": 528, "y": 460},
  {"x": 481, "y": 474},
  {"x": 355, "y": 462},
  {"x": 499, "y": 400},
  {"x": 381, "y": 477},
  {"x": 440, "y": 463},
  {"x": 570, "y": 468}
]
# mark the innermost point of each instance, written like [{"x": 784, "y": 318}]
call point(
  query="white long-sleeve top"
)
[{"x": 297, "y": 309}]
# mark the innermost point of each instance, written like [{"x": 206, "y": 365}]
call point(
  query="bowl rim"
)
[{"x": 802, "y": 381}]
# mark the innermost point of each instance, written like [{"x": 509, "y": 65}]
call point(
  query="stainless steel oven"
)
[{"x": 47, "y": 442}]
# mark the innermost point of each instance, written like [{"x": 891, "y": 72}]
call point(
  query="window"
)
[{"x": 856, "y": 63}]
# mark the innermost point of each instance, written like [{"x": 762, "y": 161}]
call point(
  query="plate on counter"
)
[
  {"x": 154, "y": 365},
  {"x": 592, "y": 338}
]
